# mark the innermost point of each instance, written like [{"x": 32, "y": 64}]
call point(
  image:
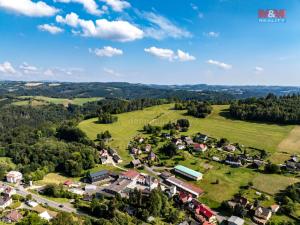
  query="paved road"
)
[{"x": 21, "y": 191}]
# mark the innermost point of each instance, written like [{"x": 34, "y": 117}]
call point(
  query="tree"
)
[
  {"x": 31, "y": 219},
  {"x": 64, "y": 218},
  {"x": 169, "y": 149},
  {"x": 272, "y": 168},
  {"x": 183, "y": 123}
]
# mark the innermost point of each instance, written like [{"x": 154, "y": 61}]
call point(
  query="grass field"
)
[
  {"x": 40, "y": 100},
  {"x": 288, "y": 146},
  {"x": 272, "y": 183},
  {"x": 259, "y": 135}
]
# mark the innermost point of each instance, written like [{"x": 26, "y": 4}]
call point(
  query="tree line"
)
[{"x": 272, "y": 108}]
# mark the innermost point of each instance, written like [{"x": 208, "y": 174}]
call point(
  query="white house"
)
[
  {"x": 5, "y": 201},
  {"x": 45, "y": 215},
  {"x": 14, "y": 177}
]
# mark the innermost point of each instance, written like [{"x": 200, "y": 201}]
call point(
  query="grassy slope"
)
[{"x": 259, "y": 135}]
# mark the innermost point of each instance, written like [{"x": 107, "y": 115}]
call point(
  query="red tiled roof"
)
[
  {"x": 184, "y": 196},
  {"x": 204, "y": 210},
  {"x": 131, "y": 174},
  {"x": 68, "y": 182},
  {"x": 14, "y": 216},
  {"x": 197, "y": 145}
]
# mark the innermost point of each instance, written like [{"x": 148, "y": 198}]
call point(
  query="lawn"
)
[
  {"x": 272, "y": 183},
  {"x": 260, "y": 135},
  {"x": 53, "y": 178}
]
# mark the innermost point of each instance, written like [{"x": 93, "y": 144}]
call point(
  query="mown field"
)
[
  {"x": 40, "y": 100},
  {"x": 259, "y": 135}
]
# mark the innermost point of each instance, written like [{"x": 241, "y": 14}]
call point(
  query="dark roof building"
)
[{"x": 98, "y": 176}]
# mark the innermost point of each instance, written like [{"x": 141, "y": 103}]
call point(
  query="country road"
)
[{"x": 23, "y": 192}]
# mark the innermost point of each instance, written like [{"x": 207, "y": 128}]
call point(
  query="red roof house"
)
[{"x": 130, "y": 175}]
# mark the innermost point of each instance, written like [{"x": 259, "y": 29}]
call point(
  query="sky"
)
[{"x": 150, "y": 41}]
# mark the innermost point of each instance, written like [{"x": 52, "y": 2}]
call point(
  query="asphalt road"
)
[{"x": 21, "y": 191}]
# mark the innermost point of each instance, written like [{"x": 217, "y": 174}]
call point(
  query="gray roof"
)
[
  {"x": 99, "y": 173},
  {"x": 236, "y": 220}
]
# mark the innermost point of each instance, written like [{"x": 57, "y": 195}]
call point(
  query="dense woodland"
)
[
  {"x": 45, "y": 139},
  {"x": 282, "y": 109},
  {"x": 194, "y": 108}
]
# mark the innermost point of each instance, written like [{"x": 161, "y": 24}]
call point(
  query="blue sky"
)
[{"x": 149, "y": 41}]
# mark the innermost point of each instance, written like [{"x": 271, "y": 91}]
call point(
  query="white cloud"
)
[
  {"x": 184, "y": 56},
  {"x": 117, "y": 30},
  {"x": 196, "y": 8},
  {"x": 161, "y": 53},
  {"x": 26, "y": 68},
  {"x": 211, "y": 34},
  {"x": 258, "y": 69},
  {"x": 28, "y": 7},
  {"x": 112, "y": 72},
  {"x": 50, "y": 28},
  {"x": 169, "y": 54},
  {"x": 162, "y": 28},
  {"x": 221, "y": 65},
  {"x": 7, "y": 68},
  {"x": 89, "y": 5},
  {"x": 117, "y": 5},
  {"x": 106, "y": 51}
]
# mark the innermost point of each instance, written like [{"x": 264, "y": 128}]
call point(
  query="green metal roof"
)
[{"x": 188, "y": 171}]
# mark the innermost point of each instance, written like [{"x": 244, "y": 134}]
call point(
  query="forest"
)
[{"x": 272, "y": 108}]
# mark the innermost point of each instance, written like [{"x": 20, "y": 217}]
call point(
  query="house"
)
[
  {"x": 87, "y": 197},
  {"x": 151, "y": 156},
  {"x": 257, "y": 164},
  {"x": 77, "y": 191},
  {"x": 200, "y": 147},
  {"x": 14, "y": 177},
  {"x": 229, "y": 148},
  {"x": 98, "y": 176},
  {"x": 188, "y": 172},
  {"x": 203, "y": 210},
  {"x": 216, "y": 159},
  {"x": 188, "y": 140},
  {"x": 202, "y": 138},
  {"x": 90, "y": 188},
  {"x": 130, "y": 175},
  {"x": 165, "y": 175},
  {"x": 32, "y": 204},
  {"x": 184, "y": 197},
  {"x": 117, "y": 158},
  {"x": 148, "y": 148},
  {"x": 5, "y": 201},
  {"x": 135, "y": 163},
  {"x": 45, "y": 215},
  {"x": 12, "y": 217},
  {"x": 262, "y": 215},
  {"x": 274, "y": 208},
  {"x": 134, "y": 151},
  {"x": 233, "y": 161},
  {"x": 177, "y": 141},
  {"x": 241, "y": 200},
  {"x": 68, "y": 183},
  {"x": 151, "y": 182},
  {"x": 183, "y": 186},
  {"x": 234, "y": 220},
  {"x": 103, "y": 159},
  {"x": 9, "y": 191},
  {"x": 112, "y": 152},
  {"x": 180, "y": 147},
  {"x": 118, "y": 186}
]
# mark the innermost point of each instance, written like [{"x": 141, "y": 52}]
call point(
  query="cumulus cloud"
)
[
  {"x": 112, "y": 72},
  {"x": 184, "y": 56},
  {"x": 169, "y": 54},
  {"x": 220, "y": 65},
  {"x": 162, "y": 28},
  {"x": 117, "y": 5},
  {"x": 116, "y": 30},
  {"x": 7, "y": 68},
  {"x": 258, "y": 69},
  {"x": 106, "y": 51},
  {"x": 211, "y": 34},
  {"x": 28, "y": 7},
  {"x": 89, "y": 5},
  {"x": 50, "y": 28}
]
